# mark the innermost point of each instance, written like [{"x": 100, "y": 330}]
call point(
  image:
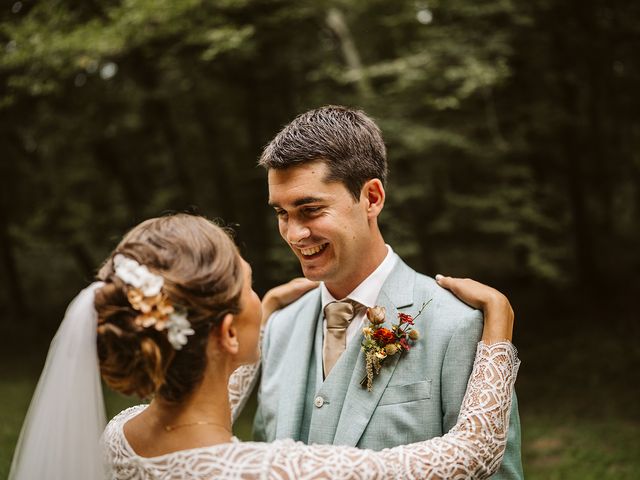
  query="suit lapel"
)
[
  {"x": 292, "y": 398},
  {"x": 359, "y": 404}
]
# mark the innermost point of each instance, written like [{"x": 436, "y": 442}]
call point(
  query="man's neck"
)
[{"x": 372, "y": 258}]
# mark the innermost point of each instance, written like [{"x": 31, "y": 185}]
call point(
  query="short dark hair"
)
[{"x": 347, "y": 140}]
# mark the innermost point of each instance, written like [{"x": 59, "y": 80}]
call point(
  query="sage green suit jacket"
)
[{"x": 416, "y": 396}]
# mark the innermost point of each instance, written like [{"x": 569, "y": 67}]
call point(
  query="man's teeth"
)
[{"x": 312, "y": 250}]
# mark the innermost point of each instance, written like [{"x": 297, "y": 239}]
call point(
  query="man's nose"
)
[{"x": 297, "y": 232}]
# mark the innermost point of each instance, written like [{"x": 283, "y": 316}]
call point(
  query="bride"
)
[{"x": 176, "y": 321}]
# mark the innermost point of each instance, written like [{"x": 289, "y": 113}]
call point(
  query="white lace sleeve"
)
[
  {"x": 241, "y": 384},
  {"x": 472, "y": 449}
]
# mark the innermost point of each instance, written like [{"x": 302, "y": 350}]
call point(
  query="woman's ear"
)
[
  {"x": 374, "y": 195},
  {"x": 228, "y": 335}
]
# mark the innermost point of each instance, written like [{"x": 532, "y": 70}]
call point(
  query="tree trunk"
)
[{"x": 338, "y": 24}]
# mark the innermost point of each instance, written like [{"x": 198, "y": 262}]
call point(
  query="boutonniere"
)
[{"x": 379, "y": 342}]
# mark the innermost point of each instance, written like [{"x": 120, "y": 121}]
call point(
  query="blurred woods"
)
[{"x": 512, "y": 130}]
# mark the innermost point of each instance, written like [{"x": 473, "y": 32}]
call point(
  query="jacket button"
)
[{"x": 319, "y": 401}]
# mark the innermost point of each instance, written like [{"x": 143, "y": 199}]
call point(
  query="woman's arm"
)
[{"x": 242, "y": 381}]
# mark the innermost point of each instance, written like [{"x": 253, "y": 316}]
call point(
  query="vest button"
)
[{"x": 318, "y": 401}]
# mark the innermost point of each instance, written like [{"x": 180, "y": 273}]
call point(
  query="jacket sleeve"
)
[{"x": 457, "y": 365}]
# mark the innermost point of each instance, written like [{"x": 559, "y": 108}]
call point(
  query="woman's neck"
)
[
  {"x": 202, "y": 419},
  {"x": 209, "y": 402}
]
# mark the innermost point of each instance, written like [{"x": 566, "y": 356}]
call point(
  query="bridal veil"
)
[{"x": 61, "y": 432}]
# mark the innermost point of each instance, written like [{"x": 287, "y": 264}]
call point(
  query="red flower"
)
[
  {"x": 384, "y": 336},
  {"x": 405, "y": 344},
  {"x": 405, "y": 318}
]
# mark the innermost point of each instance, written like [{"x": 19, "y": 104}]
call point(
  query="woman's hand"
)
[
  {"x": 282, "y": 295},
  {"x": 498, "y": 314}
]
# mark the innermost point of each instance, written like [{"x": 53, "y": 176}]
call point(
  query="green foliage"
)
[{"x": 512, "y": 133}]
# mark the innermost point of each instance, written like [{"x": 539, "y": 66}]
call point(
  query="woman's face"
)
[{"x": 248, "y": 321}]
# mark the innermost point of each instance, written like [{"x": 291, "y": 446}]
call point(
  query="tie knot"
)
[{"x": 339, "y": 314}]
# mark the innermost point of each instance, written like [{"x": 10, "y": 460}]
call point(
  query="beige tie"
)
[{"x": 338, "y": 315}]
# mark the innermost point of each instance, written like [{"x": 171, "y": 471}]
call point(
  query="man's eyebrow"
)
[
  {"x": 298, "y": 202},
  {"x": 305, "y": 200}
]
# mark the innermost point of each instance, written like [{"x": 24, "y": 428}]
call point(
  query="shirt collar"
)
[{"x": 367, "y": 292}]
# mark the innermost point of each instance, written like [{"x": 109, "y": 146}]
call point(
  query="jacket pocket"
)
[{"x": 406, "y": 393}]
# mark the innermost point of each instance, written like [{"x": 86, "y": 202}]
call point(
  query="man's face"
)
[{"x": 322, "y": 223}]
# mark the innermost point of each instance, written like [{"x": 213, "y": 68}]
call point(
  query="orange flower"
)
[
  {"x": 135, "y": 297},
  {"x": 164, "y": 306},
  {"x": 145, "y": 320},
  {"x": 384, "y": 336}
]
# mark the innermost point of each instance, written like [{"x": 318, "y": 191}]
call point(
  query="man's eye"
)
[
  {"x": 281, "y": 213},
  {"x": 312, "y": 210}
]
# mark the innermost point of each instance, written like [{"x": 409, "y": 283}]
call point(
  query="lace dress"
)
[{"x": 473, "y": 448}]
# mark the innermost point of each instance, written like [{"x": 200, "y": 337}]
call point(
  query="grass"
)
[
  {"x": 579, "y": 402},
  {"x": 15, "y": 394},
  {"x": 556, "y": 448}
]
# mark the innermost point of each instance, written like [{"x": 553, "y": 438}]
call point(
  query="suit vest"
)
[{"x": 324, "y": 399}]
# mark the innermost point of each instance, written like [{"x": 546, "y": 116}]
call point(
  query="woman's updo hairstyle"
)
[{"x": 202, "y": 273}]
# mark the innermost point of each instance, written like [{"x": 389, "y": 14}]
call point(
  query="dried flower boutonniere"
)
[{"x": 380, "y": 342}]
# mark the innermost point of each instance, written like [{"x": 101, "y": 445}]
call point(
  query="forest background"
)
[{"x": 513, "y": 136}]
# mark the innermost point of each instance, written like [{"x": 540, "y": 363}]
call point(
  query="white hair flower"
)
[
  {"x": 179, "y": 329},
  {"x": 138, "y": 276}
]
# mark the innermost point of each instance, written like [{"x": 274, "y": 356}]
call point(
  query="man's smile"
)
[{"x": 312, "y": 252}]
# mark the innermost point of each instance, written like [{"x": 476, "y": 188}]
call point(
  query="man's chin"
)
[
  {"x": 314, "y": 277},
  {"x": 314, "y": 274},
  {"x": 319, "y": 269}
]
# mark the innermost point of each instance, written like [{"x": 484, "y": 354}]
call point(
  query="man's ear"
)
[
  {"x": 373, "y": 194},
  {"x": 228, "y": 335}
]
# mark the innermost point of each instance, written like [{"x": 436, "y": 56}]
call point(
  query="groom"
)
[{"x": 327, "y": 171}]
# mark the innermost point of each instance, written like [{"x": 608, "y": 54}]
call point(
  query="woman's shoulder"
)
[
  {"x": 215, "y": 461},
  {"x": 125, "y": 415},
  {"x": 113, "y": 436}
]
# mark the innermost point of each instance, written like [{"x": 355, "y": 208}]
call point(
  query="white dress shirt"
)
[{"x": 365, "y": 294}]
